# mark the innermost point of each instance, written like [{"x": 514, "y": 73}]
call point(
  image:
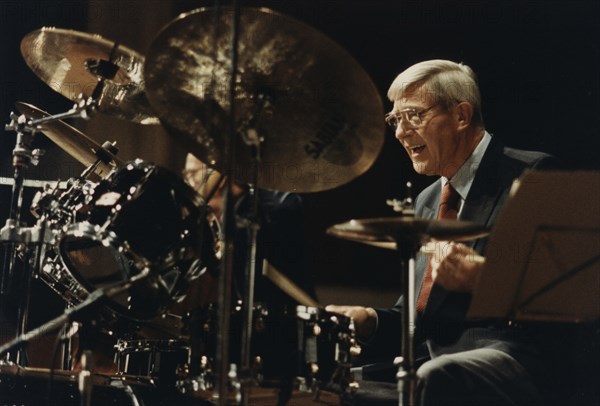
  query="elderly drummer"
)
[{"x": 437, "y": 117}]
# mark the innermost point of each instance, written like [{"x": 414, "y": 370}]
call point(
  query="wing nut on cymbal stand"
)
[{"x": 405, "y": 206}]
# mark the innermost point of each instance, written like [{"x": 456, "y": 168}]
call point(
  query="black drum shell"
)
[{"x": 141, "y": 216}]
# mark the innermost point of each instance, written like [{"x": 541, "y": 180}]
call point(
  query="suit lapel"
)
[{"x": 486, "y": 188}]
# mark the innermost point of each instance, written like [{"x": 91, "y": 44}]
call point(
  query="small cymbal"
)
[
  {"x": 316, "y": 109},
  {"x": 70, "y": 139},
  {"x": 72, "y": 62},
  {"x": 386, "y": 232}
]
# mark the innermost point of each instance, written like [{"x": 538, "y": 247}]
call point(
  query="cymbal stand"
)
[
  {"x": 226, "y": 274},
  {"x": 13, "y": 231},
  {"x": 251, "y": 223},
  {"x": 408, "y": 245}
]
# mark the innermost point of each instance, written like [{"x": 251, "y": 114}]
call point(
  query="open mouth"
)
[{"x": 416, "y": 149}]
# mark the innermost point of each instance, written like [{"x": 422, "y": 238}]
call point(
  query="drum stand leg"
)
[
  {"x": 67, "y": 346},
  {"x": 85, "y": 378}
]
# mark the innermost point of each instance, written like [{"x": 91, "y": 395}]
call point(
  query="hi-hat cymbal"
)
[
  {"x": 386, "y": 232},
  {"x": 70, "y": 139},
  {"x": 316, "y": 109},
  {"x": 72, "y": 62}
]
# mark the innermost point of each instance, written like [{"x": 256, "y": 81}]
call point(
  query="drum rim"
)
[{"x": 113, "y": 243}]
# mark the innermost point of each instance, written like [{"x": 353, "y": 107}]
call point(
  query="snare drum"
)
[
  {"x": 164, "y": 361},
  {"x": 307, "y": 344},
  {"x": 142, "y": 217}
]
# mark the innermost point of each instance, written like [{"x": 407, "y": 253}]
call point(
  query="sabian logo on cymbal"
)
[{"x": 335, "y": 142}]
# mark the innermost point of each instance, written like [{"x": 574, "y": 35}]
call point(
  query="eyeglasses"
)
[{"x": 411, "y": 116}]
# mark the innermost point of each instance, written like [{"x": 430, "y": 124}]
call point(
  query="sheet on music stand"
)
[{"x": 543, "y": 257}]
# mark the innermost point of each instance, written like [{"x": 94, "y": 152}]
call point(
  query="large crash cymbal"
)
[
  {"x": 72, "y": 63},
  {"x": 387, "y": 232},
  {"x": 70, "y": 139},
  {"x": 316, "y": 109}
]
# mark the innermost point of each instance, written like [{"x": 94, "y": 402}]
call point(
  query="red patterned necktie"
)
[{"x": 448, "y": 210}]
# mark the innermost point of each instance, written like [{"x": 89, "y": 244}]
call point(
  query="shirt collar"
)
[{"x": 463, "y": 178}]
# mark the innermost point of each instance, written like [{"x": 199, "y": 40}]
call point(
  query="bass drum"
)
[{"x": 142, "y": 218}]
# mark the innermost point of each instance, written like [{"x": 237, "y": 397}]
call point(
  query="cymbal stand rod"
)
[
  {"x": 225, "y": 277},
  {"x": 251, "y": 138},
  {"x": 407, "y": 375},
  {"x": 83, "y": 108},
  {"x": 252, "y": 226}
]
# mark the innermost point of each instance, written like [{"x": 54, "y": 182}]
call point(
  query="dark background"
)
[{"x": 538, "y": 64}]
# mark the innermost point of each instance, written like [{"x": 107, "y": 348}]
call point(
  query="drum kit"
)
[{"x": 258, "y": 96}]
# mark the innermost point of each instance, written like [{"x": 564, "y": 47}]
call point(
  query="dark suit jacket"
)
[{"x": 443, "y": 326}]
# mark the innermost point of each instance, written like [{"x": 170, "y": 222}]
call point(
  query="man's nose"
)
[{"x": 402, "y": 131}]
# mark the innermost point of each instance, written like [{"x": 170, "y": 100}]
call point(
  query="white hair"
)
[{"x": 446, "y": 81}]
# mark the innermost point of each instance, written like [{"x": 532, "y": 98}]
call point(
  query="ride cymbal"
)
[
  {"x": 72, "y": 63},
  {"x": 386, "y": 232},
  {"x": 70, "y": 139},
  {"x": 316, "y": 110}
]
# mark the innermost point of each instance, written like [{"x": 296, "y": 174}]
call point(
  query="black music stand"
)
[{"x": 543, "y": 257}]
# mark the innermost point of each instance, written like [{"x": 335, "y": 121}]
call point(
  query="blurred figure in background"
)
[{"x": 281, "y": 235}]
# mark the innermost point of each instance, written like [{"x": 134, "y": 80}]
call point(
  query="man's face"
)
[
  {"x": 435, "y": 146},
  {"x": 203, "y": 179}
]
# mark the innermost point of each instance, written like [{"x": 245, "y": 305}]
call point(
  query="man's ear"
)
[{"x": 464, "y": 114}]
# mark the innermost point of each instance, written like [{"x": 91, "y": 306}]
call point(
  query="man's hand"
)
[
  {"x": 365, "y": 318},
  {"x": 456, "y": 267}
]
